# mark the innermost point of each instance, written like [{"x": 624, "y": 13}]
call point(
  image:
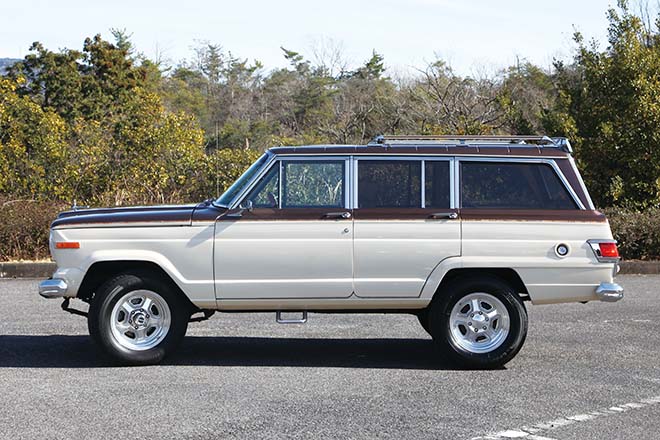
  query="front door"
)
[
  {"x": 294, "y": 239},
  {"x": 406, "y": 223}
]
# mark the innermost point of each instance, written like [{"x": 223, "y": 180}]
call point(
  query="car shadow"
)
[{"x": 78, "y": 351}]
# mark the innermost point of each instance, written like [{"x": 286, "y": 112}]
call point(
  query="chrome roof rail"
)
[{"x": 477, "y": 140}]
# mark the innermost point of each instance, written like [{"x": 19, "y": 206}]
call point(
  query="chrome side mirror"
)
[{"x": 247, "y": 204}]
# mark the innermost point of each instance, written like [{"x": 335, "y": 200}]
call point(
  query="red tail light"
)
[
  {"x": 604, "y": 250},
  {"x": 608, "y": 250}
]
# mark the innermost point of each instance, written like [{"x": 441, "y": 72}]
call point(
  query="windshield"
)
[{"x": 231, "y": 192}]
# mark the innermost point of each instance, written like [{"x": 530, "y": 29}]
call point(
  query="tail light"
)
[{"x": 604, "y": 250}]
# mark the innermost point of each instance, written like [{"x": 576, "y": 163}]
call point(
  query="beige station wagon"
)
[{"x": 460, "y": 231}]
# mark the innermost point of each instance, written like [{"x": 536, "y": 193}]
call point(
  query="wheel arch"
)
[
  {"x": 505, "y": 274},
  {"x": 101, "y": 271}
]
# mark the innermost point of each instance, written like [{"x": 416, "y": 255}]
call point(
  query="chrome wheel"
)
[
  {"x": 479, "y": 323},
  {"x": 140, "y": 320}
]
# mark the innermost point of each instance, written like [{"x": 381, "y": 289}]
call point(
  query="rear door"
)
[
  {"x": 297, "y": 239},
  {"x": 405, "y": 222}
]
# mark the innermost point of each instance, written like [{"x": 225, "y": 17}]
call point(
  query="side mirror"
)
[{"x": 247, "y": 205}]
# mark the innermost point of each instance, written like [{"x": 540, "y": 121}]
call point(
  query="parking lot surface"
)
[{"x": 586, "y": 372}]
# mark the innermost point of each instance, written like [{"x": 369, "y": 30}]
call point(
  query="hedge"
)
[{"x": 24, "y": 230}]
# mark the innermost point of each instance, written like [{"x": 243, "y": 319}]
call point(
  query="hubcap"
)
[
  {"x": 140, "y": 320},
  {"x": 479, "y": 323}
]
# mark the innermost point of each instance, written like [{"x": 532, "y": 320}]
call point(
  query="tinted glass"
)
[
  {"x": 436, "y": 184},
  {"x": 313, "y": 184},
  {"x": 267, "y": 192},
  {"x": 512, "y": 185},
  {"x": 389, "y": 184}
]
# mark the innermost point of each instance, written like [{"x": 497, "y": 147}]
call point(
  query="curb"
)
[
  {"x": 46, "y": 269},
  {"x": 27, "y": 270}
]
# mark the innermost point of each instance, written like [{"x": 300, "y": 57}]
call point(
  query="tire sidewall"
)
[
  {"x": 440, "y": 323},
  {"x": 100, "y": 319}
]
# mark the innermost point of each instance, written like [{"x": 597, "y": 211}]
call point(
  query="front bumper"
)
[
  {"x": 609, "y": 292},
  {"x": 53, "y": 288}
]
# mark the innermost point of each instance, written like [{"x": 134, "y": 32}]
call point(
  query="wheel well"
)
[
  {"x": 507, "y": 275},
  {"x": 102, "y": 271}
]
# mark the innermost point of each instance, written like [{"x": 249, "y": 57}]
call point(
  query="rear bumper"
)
[
  {"x": 609, "y": 292},
  {"x": 53, "y": 288}
]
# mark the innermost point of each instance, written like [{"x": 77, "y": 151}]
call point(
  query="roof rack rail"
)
[{"x": 540, "y": 141}]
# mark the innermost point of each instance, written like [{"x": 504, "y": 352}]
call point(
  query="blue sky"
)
[{"x": 468, "y": 34}]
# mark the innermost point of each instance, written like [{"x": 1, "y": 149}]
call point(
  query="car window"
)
[
  {"x": 266, "y": 193},
  {"x": 512, "y": 185},
  {"x": 389, "y": 184},
  {"x": 436, "y": 184},
  {"x": 305, "y": 184},
  {"x": 313, "y": 184}
]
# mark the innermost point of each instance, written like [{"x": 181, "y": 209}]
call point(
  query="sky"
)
[{"x": 474, "y": 36}]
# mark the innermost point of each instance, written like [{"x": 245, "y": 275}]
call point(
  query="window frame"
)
[
  {"x": 277, "y": 161},
  {"x": 552, "y": 163},
  {"x": 422, "y": 160}
]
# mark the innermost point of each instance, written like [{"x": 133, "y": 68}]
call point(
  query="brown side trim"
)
[
  {"x": 569, "y": 173},
  {"x": 266, "y": 214},
  {"x": 172, "y": 215},
  {"x": 568, "y": 215},
  {"x": 399, "y": 213}
]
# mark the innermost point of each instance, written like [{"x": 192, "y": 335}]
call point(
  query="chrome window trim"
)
[
  {"x": 297, "y": 158},
  {"x": 551, "y": 162},
  {"x": 421, "y": 158}
]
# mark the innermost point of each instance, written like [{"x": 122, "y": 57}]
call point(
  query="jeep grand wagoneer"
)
[{"x": 460, "y": 231}]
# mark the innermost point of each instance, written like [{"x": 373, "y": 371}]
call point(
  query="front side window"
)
[
  {"x": 231, "y": 192},
  {"x": 389, "y": 184},
  {"x": 305, "y": 184},
  {"x": 512, "y": 186}
]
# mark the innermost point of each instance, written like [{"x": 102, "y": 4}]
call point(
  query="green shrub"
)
[{"x": 638, "y": 232}]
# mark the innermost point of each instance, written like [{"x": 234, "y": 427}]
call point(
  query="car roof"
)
[{"x": 534, "y": 146}]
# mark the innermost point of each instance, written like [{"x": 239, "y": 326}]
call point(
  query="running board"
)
[{"x": 280, "y": 320}]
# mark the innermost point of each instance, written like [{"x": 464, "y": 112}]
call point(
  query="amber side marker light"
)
[{"x": 67, "y": 245}]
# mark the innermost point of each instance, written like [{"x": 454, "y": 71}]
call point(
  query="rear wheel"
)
[
  {"x": 137, "y": 319},
  {"x": 479, "y": 323}
]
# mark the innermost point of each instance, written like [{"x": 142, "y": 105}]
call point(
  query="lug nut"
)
[
  {"x": 470, "y": 324},
  {"x": 484, "y": 328}
]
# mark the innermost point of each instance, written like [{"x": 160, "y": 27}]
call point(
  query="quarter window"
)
[
  {"x": 513, "y": 185},
  {"x": 389, "y": 184}
]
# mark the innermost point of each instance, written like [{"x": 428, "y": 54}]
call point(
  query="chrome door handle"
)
[
  {"x": 449, "y": 215},
  {"x": 345, "y": 214}
]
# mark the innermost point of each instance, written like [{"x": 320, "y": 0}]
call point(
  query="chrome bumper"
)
[
  {"x": 609, "y": 292},
  {"x": 54, "y": 288}
]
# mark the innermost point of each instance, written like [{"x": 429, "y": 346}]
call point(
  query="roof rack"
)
[{"x": 482, "y": 140}]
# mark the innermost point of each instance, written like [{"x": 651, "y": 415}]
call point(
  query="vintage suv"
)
[{"x": 460, "y": 231}]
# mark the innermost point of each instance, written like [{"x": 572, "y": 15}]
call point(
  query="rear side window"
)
[
  {"x": 513, "y": 186},
  {"x": 389, "y": 184}
]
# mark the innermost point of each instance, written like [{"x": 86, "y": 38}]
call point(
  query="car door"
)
[
  {"x": 405, "y": 222},
  {"x": 295, "y": 237}
]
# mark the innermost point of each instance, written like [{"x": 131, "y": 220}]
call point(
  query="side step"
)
[{"x": 280, "y": 320}]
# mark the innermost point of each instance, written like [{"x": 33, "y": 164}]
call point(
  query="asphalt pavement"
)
[{"x": 587, "y": 371}]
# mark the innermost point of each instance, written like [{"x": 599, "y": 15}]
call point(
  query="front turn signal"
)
[{"x": 67, "y": 245}]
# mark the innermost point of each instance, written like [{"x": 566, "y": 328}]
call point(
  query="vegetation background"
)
[{"x": 105, "y": 125}]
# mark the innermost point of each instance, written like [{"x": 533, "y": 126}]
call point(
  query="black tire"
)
[
  {"x": 423, "y": 318},
  {"x": 99, "y": 320},
  {"x": 439, "y": 322}
]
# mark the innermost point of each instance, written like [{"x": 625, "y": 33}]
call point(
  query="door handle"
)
[
  {"x": 449, "y": 215},
  {"x": 344, "y": 214}
]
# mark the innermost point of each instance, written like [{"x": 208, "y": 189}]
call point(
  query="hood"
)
[{"x": 162, "y": 215}]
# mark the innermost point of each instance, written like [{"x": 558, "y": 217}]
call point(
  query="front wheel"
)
[
  {"x": 479, "y": 323},
  {"x": 137, "y": 319}
]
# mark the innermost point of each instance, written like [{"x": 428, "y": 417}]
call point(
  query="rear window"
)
[{"x": 513, "y": 186}]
